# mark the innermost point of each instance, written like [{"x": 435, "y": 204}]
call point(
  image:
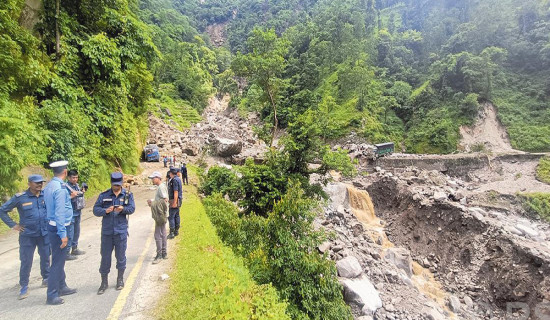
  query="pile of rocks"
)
[
  {"x": 223, "y": 133},
  {"x": 170, "y": 140}
]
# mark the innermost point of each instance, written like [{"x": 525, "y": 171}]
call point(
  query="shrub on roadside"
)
[
  {"x": 537, "y": 203},
  {"x": 280, "y": 249},
  {"x": 209, "y": 281},
  {"x": 219, "y": 180},
  {"x": 543, "y": 170}
]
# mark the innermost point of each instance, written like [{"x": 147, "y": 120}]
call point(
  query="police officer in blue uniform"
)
[
  {"x": 60, "y": 214},
  {"x": 32, "y": 228},
  {"x": 174, "y": 198},
  {"x": 77, "y": 201},
  {"x": 114, "y": 206}
]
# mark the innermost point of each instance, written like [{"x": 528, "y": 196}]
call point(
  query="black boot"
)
[
  {"x": 120, "y": 280},
  {"x": 104, "y": 284},
  {"x": 176, "y": 231},
  {"x": 77, "y": 252},
  {"x": 70, "y": 257},
  {"x": 164, "y": 254},
  {"x": 157, "y": 258},
  {"x": 171, "y": 235}
]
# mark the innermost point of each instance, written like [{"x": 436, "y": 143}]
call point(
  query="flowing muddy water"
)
[{"x": 363, "y": 208}]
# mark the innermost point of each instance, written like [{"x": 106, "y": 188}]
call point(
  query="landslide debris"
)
[
  {"x": 223, "y": 134},
  {"x": 487, "y": 134},
  {"x": 430, "y": 253}
]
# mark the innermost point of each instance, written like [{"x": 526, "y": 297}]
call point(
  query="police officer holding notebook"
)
[
  {"x": 60, "y": 214},
  {"x": 114, "y": 206}
]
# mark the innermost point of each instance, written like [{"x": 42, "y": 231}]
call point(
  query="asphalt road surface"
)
[{"x": 83, "y": 273}]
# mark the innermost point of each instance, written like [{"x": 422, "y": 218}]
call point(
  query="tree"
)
[{"x": 264, "y": 66}]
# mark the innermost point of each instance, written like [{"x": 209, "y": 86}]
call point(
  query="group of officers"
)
[{"x": 49, "y": 220}]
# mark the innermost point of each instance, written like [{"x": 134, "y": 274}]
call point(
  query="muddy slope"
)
[{"x": 469, "y": 254}]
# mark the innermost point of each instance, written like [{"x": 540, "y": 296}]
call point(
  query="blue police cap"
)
[
  {"x": 174, "y": 170},
  {"x": 116, "y": 178},
  {"x": 36, "y": 178}
]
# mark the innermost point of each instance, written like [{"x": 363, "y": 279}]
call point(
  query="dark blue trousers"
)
[
  {"x": 70, "y": 235},
  {"x": 26, "y": 253},
  {"x": 109, "y": 242},
  {"x": 76, "y": 231},
  {"x": 56, "y": 280},
  {"x": 174, "y": 218}
]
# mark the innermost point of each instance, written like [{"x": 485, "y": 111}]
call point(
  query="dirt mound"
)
[{"x": 487, "y": 133}]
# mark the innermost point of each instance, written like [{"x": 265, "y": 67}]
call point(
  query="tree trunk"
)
[
  {"x": 275, "y": 120},
  {"x": 57, "y": 36}
]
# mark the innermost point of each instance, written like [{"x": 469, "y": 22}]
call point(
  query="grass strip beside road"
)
[{"x": 208, "y": 280}]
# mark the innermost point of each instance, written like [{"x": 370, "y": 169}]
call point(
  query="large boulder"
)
[
  {"x": 361, "y": 292},
  {"x": 190, "y": 149},
  {"x": 349, "y": 267},
  {"x": 227, "y": 147},
  {"x": 401, "y": 258}
]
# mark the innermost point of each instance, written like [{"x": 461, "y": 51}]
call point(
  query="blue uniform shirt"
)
[
  {"x": 114, "y": 223},
  {"x": 32, "y": 213},
  {"x": 75, "y": 187},
  {"x": 58, "y": 205},
  {"x": 175, "y": 184}
]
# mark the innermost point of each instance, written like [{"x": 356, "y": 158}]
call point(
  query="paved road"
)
[{"x": 83, "y": 273}]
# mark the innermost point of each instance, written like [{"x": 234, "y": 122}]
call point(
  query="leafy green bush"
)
[
  {"x": 543, "y": 170},
  {"x": 538, "y": 203},
  {"x": 304, "y": 277},
  {"x": 219, "y": 180},
  {"x": 280, "y": 249}
]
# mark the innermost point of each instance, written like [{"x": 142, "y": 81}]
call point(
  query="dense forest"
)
[
  {"x": 407, "y": 71},
  {"x": 79, "y": 83}
]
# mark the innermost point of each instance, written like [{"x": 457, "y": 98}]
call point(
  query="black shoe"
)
[
  {"x": 171, "y": 235},
  {"x": 77, "y": 252},
  {"x": 55, "y": 301},
  {"x": 66, "y": 291},
  {"x": 176, "y": 232},
  {"x": 157, "y": 259},
  {"x": 104, "y": 284},
  {"x": 120, "y": 280},
  {"x": 164, "y": 255},
  {"x": 70, "y": 257}
]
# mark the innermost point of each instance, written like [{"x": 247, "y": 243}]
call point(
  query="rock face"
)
[
  {"x": 454, "y": 304},
  {"x": 361, "y": 292},
  {"x": 349, "y": 267}
]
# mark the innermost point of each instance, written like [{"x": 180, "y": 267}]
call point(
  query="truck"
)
[
  {"x": 383, "y": 149},
  {"x": 151, "y": 153}
]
